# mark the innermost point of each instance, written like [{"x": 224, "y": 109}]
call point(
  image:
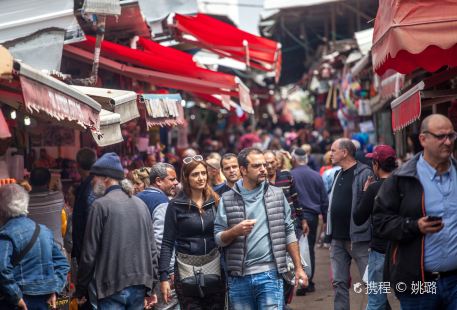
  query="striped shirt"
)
[
  {"x": 46, "y": 208},
  {"x": 285, "y": 181}
]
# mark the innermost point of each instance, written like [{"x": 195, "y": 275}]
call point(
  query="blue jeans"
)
[
  {"x": 376, "y": 299},
  {"x": 444, "y": 299},
  {"x": 257, "y": 291},
  {"x": 39, "y": 302},
  {"x": 130, "y": 298}
]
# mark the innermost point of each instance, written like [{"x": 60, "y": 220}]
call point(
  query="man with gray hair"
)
[
  {"x": 349, "y": 241},
  {"x": 163, "y": 185},
  {"x": 119, "y": 252}
]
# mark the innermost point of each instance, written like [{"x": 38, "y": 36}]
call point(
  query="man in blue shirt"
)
[{"x": 416, "y": 209}]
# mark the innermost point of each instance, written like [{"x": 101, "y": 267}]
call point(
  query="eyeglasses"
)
[
  {"x": 189, "y": 159},
  {"x": 257, "y": 166},
  {"x": 451, "y": 136}
]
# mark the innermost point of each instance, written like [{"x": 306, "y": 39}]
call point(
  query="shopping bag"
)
[{"x": 304, "y": 254}]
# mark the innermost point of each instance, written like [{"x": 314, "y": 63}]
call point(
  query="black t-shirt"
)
[{"x": 342, "y": 204}]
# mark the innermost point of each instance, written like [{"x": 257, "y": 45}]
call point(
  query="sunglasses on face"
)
[
  {"x": 189, "y": 159},
  {"x": 451, "y": 136}
]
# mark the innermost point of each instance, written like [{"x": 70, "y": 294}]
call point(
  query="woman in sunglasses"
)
[{"x": 189, "y": 230}]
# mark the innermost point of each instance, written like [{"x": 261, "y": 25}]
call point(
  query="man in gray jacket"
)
[
  {"x": 254, "y": 226},
  {"x": 349, "y": 241},
  {"x": 119, "y": 251}
]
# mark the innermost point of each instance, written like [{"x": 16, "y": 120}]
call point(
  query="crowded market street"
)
[{"x": 228, "y": 154}]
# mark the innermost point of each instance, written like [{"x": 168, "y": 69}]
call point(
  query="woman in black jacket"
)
[{"x": 189, "y": 229}]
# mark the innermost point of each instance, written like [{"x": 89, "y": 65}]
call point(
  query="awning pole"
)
[{"x": 98, "y": 46}]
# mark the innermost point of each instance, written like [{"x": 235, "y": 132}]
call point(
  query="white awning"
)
[
  {"x": 157, "y": 10},
  {"x": 364, "y": 40},
  {"x": 110, "y": 129},
  {"x": 118, "y": 101},
  {"x": 285, "y": 4},
  {"x": 21, "y": 18}
]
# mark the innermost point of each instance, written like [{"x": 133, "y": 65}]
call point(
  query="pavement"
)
[{"x": 322, "y": 298}]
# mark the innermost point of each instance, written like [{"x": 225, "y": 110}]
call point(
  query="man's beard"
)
[{"x": 99, "y": 189}]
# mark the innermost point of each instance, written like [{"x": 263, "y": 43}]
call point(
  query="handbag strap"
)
[{"x": 17, "y": 258}]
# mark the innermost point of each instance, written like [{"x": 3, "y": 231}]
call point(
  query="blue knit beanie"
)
[{"x": 109, "y": 165}]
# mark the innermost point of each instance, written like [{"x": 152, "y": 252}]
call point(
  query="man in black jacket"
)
[
  {"x": 416, "y": 209},
  {"x": 84, "y": 197},
  {"x": 384, "y": 162}
]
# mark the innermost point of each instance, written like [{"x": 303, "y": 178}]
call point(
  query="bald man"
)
[{"x": 416, "y": 210}]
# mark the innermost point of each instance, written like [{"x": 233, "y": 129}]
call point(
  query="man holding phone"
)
[
  {"x": 416, "y": 209},
  {"x": 254, "y": 226}
]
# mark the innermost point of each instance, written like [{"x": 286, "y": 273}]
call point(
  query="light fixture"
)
[
  {"x": 183, "y": 103},
  {"x": 13, "y": 114},
  {"x": 27, "y": 121}
]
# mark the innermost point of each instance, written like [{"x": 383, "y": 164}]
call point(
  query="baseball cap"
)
[{"x": 381, "y": 153}]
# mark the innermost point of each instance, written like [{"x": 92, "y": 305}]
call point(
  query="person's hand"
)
[
  {"x": 21, "y": 304},
  {"x": 81, "y": 301},
  {"x": 300, "y": 278},
  {"x": 368, "y": 182},
  {"x": 166, "y": 291},
  {"x": 149, "y": 302},
  {"x": 244, "y": 228},
  {"x": 52, "y": 301},
  {"x": 304, "y": 227},
  {"x": 429, "y": 227}
]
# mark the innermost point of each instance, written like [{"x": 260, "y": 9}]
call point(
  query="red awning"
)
[
  {"x": 160, "y": 58},
  {"x": 229, "y": 41},
  {"x": 414, "y": 34},
  {"x": 189, "y": 84},
  {"x": 407, "y": 108}
]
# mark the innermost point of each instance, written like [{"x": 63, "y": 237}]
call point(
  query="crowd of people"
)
[{"x": 221, "y": 231}]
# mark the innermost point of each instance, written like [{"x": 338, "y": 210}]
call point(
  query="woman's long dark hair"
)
[{"x": 208, "y": 191}]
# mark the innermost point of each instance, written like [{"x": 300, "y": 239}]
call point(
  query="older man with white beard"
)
[{"x": 119, "y": 252}]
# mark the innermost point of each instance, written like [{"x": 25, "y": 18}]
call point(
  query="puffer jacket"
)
[
  {"x": 188, "y": 229},
  {"x": 43, "y": 270}
]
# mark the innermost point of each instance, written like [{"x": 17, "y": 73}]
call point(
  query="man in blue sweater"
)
[
  {"x": 312, "y": 200},
  {"x": 163, "y": 185}
]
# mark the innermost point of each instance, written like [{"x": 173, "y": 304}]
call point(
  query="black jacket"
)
[
  {"x": 186, "y": 230},
  {"x": 364, "y": 210},
  {"x": 80, "y": 214},
  {"x": 398, "y": 206}
]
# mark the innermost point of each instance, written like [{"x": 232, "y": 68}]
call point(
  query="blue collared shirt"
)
[{"x": 440, "y": 199}]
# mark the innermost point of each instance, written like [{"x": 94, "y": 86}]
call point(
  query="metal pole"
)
[{"x": 98, "y": 46}]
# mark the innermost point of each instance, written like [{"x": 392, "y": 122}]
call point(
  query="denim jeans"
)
[
  {"x": 39, "y": 302},
  {"x": 341, "y": 254},
  {"x": 444, "y": 299},
  {"x": 130, "y": 298},
  {"x": 257, "y": 291},
  {"x": 376, "y": 299}
]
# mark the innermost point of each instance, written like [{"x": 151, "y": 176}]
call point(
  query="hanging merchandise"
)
[{"x": 300, "y": 105}]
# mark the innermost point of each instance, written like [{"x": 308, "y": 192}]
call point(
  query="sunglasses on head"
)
[{"x": 189, "y": 159}]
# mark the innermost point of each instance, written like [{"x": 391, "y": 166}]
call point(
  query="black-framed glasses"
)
[
  {"x": 189, "y": 159},
  {"x": 451, "y": 136}
]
